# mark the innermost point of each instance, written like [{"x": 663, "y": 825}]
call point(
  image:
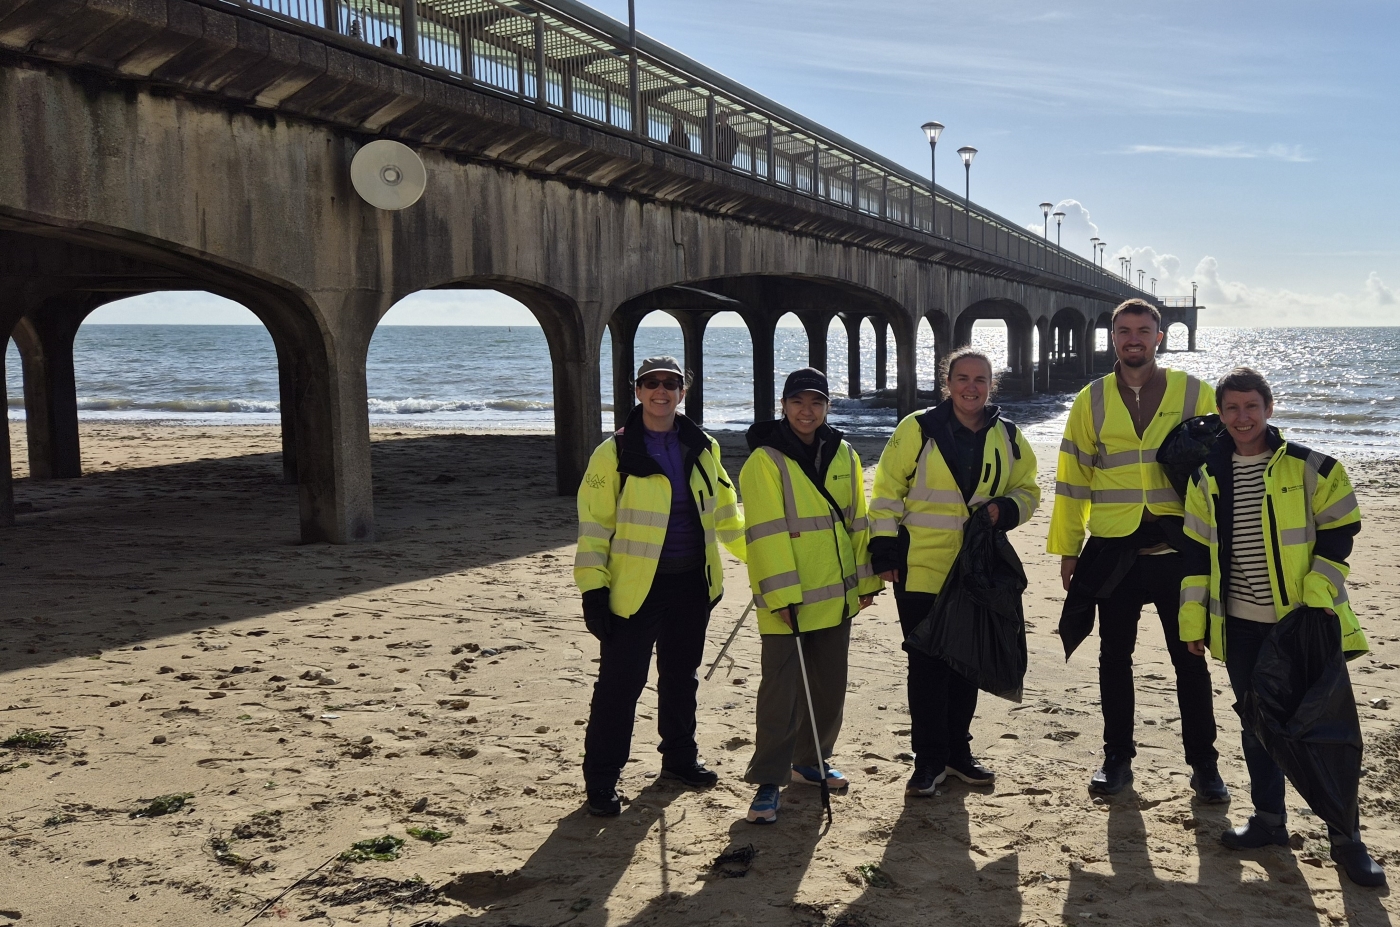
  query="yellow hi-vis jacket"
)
[
  {"x": 624, "y": 506},
  {"x": 1107, "y": 474},
  {"x": 915, "y": 489},
  {"x": 1309, "y": 518},
  {"x": 805, "y": 548}
]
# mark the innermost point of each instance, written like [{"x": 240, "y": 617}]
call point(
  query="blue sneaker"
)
[
  {"x": 764, "y": 809},
  {"x": 810, "y": 775}
]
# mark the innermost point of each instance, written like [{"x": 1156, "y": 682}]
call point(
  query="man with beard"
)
[{"x": 1109, "y": 482}]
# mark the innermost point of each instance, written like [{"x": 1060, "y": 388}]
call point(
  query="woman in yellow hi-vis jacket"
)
[
  {"x": 1269, "y": 525},
  {"x": 938, "y": 466},
  {"x": 806, "y": 530},
  {"x": 653, "y": 504}
]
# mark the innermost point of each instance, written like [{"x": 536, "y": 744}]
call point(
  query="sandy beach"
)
[{"x": 161, "y": 620}]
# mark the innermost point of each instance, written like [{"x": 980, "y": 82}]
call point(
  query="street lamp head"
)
[
  {"x": 933, "y": 130},
  {"x": 1046, "y": 207},
  {"x": 1059, "y": 216},
  {"x": 967, "y": 153},
  {"x": 1095, "y": 241}
]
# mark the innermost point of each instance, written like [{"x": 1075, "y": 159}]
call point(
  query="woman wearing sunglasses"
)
[
  {"x": 938, "y": 467},
  {"x": 804, "y": 504},
  {"x": 651, "y": 507}
]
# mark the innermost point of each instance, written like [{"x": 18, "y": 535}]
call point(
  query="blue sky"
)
[{"x": 1250, "y": 146}]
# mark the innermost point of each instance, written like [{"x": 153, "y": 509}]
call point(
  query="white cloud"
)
[
  {"x": 1075, "y": 230},
  {"x": 1236, "y": 303},
  {"x": 1272, "y": 152}
]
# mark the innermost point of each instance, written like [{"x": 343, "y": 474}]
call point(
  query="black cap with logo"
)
[{"x": 808, "y": 379}]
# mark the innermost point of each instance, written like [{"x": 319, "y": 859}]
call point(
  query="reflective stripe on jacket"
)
[
  {"x": 800, "y": 551},
  {"x": 1309, "y": 518},
  {"x": 1106, "y": 473},
  {"x": 622, "y": 517},
  {"x": 915, "y": 489}
]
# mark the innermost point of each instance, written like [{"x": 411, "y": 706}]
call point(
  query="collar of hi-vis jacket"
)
[
  {"x": 937, "y": 425},
  {"x": 779, "y": 436},
  {"x": 633, "y": 458}
]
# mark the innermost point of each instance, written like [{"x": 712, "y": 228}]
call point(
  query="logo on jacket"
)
[{"x": 596, "y": 480}]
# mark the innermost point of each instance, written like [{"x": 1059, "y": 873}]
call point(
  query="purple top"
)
[{"x": 684, "y": 539}]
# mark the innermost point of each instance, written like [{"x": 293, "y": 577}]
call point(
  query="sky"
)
[{"x": 1249, "y": 146}]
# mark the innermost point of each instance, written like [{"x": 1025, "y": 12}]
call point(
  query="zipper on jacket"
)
[{"x": 1278, "y": 558}]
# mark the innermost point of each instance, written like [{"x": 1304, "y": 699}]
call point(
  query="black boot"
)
[
  {"x": 1115, "y": 775},
  {"x": 1209, "y": 787},
  {"x": 604, "y": 802},
  {"x": 1351, "y": 855},
  {"x": 1256, "y": 833}
]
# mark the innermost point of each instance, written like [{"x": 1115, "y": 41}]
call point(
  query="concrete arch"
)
[
  {"x": 574, "y": 361},
  {"x": 72, "y": 271},
  {"x": 1175, "y": 336}
]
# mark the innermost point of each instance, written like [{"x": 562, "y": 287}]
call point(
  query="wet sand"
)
[{"x": 160, "y": 616}]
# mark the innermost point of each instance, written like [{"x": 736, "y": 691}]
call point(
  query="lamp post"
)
[
  {"x": 932, "y": 130},
  {"x": 967, "y": 153},
  {"x": 1059, "y": 218},
  {"x": 1141, "y": 274},
  {"x": 1094, "y": 250},
  {"x": 1103, "y": 246},
  {"x": 1193, "y": 293},
  {"x": 1154, "y": 286},
  {"x": 1045, "y": 211}
]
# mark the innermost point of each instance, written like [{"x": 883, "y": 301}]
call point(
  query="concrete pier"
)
[{"x": 195, "y": 145}]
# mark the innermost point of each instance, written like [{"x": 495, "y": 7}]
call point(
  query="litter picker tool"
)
[
  {"x": 812, "y": 714},
  {"x": 732, "y": 634}
]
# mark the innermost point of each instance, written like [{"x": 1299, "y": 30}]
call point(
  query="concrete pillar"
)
[
  {"x": 7, "y": 474},
  {"x": 623, "y": 329},
  {"x": 761, "y": 330},
  {"x": 906, "y": 344},
  {"x": 938, "y": 327},
  {"x": 1191, "y": 338},
  {"x": 817, "y": 325},
  {"x": 881, "y": 350},
  {"x": 45, "y": 340},
  {"x": 1086, "y": 353},
  {"x": 1047, "y": 337},
  {"x": 287, "y": 407},
  {"x": 852, "y": 323},
  {"x": 693, "y": 325}
]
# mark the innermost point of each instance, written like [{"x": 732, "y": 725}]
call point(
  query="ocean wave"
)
[
  {"x": 177, "y": 405},
  {"x": 419, "y": 406}
]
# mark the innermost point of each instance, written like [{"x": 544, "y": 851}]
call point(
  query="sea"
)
[{"x": 1336, "y": 388}]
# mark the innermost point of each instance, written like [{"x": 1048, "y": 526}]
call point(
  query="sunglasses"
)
[{"x": 670, "y": 383}]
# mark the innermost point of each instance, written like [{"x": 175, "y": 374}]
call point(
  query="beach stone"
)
[
  {"x": 158, "y": 739},
  {"x": 327, "y": 681}
]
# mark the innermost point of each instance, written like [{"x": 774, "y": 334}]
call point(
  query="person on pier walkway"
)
[
  {"x": 1108, "y": 480},
  {"x": 938, "y": 467},
  {"x": 806, "y": 531},
  {"x": 653, "y": 503}
]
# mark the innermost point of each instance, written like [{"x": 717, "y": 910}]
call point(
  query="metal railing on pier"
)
[{"x": 567, "y": 58}]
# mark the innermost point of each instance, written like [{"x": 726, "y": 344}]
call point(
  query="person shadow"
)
[
  {"x": 573, "y": 873},
  {"x": 1227, "y": 886},
  {"x": 935, "y": 870}
]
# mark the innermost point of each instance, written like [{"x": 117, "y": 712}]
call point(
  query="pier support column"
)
[
  {"x": 852, "y": 323},
  {"x": 623, "y": 330},
  {"x": 45, "y": 340},
  {"x": 761, "y": 330},
  {"x": 881, "y": 359},
  {"x": 1190, "y": 337},
  {"x": 287, "y": 407},
  {"x": 693, "y": 325},
  {"x": 1046, "y": 339},
  {"x": 942, "y": 344},
  {"x": 906, "y": 344},
  {"x": 817, "y": 325},
  {"x": 7, "y": 473}
]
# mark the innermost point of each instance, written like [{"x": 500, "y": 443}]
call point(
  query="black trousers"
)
[
  {"x": 941, "y": 701},
  {"x": 1155, "y": 579},
  {"x": 672, "y": 620}
]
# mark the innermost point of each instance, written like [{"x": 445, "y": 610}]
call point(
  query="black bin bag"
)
[
  {"x": 976, "y": 624},
  {"x": 1185, "y": 449},
  {"x": 1301, "y": 708}
]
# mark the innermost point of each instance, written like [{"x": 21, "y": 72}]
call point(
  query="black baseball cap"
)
[
  {"x": 665, "y": 363},
  {"x": 806, "y": 380}
]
